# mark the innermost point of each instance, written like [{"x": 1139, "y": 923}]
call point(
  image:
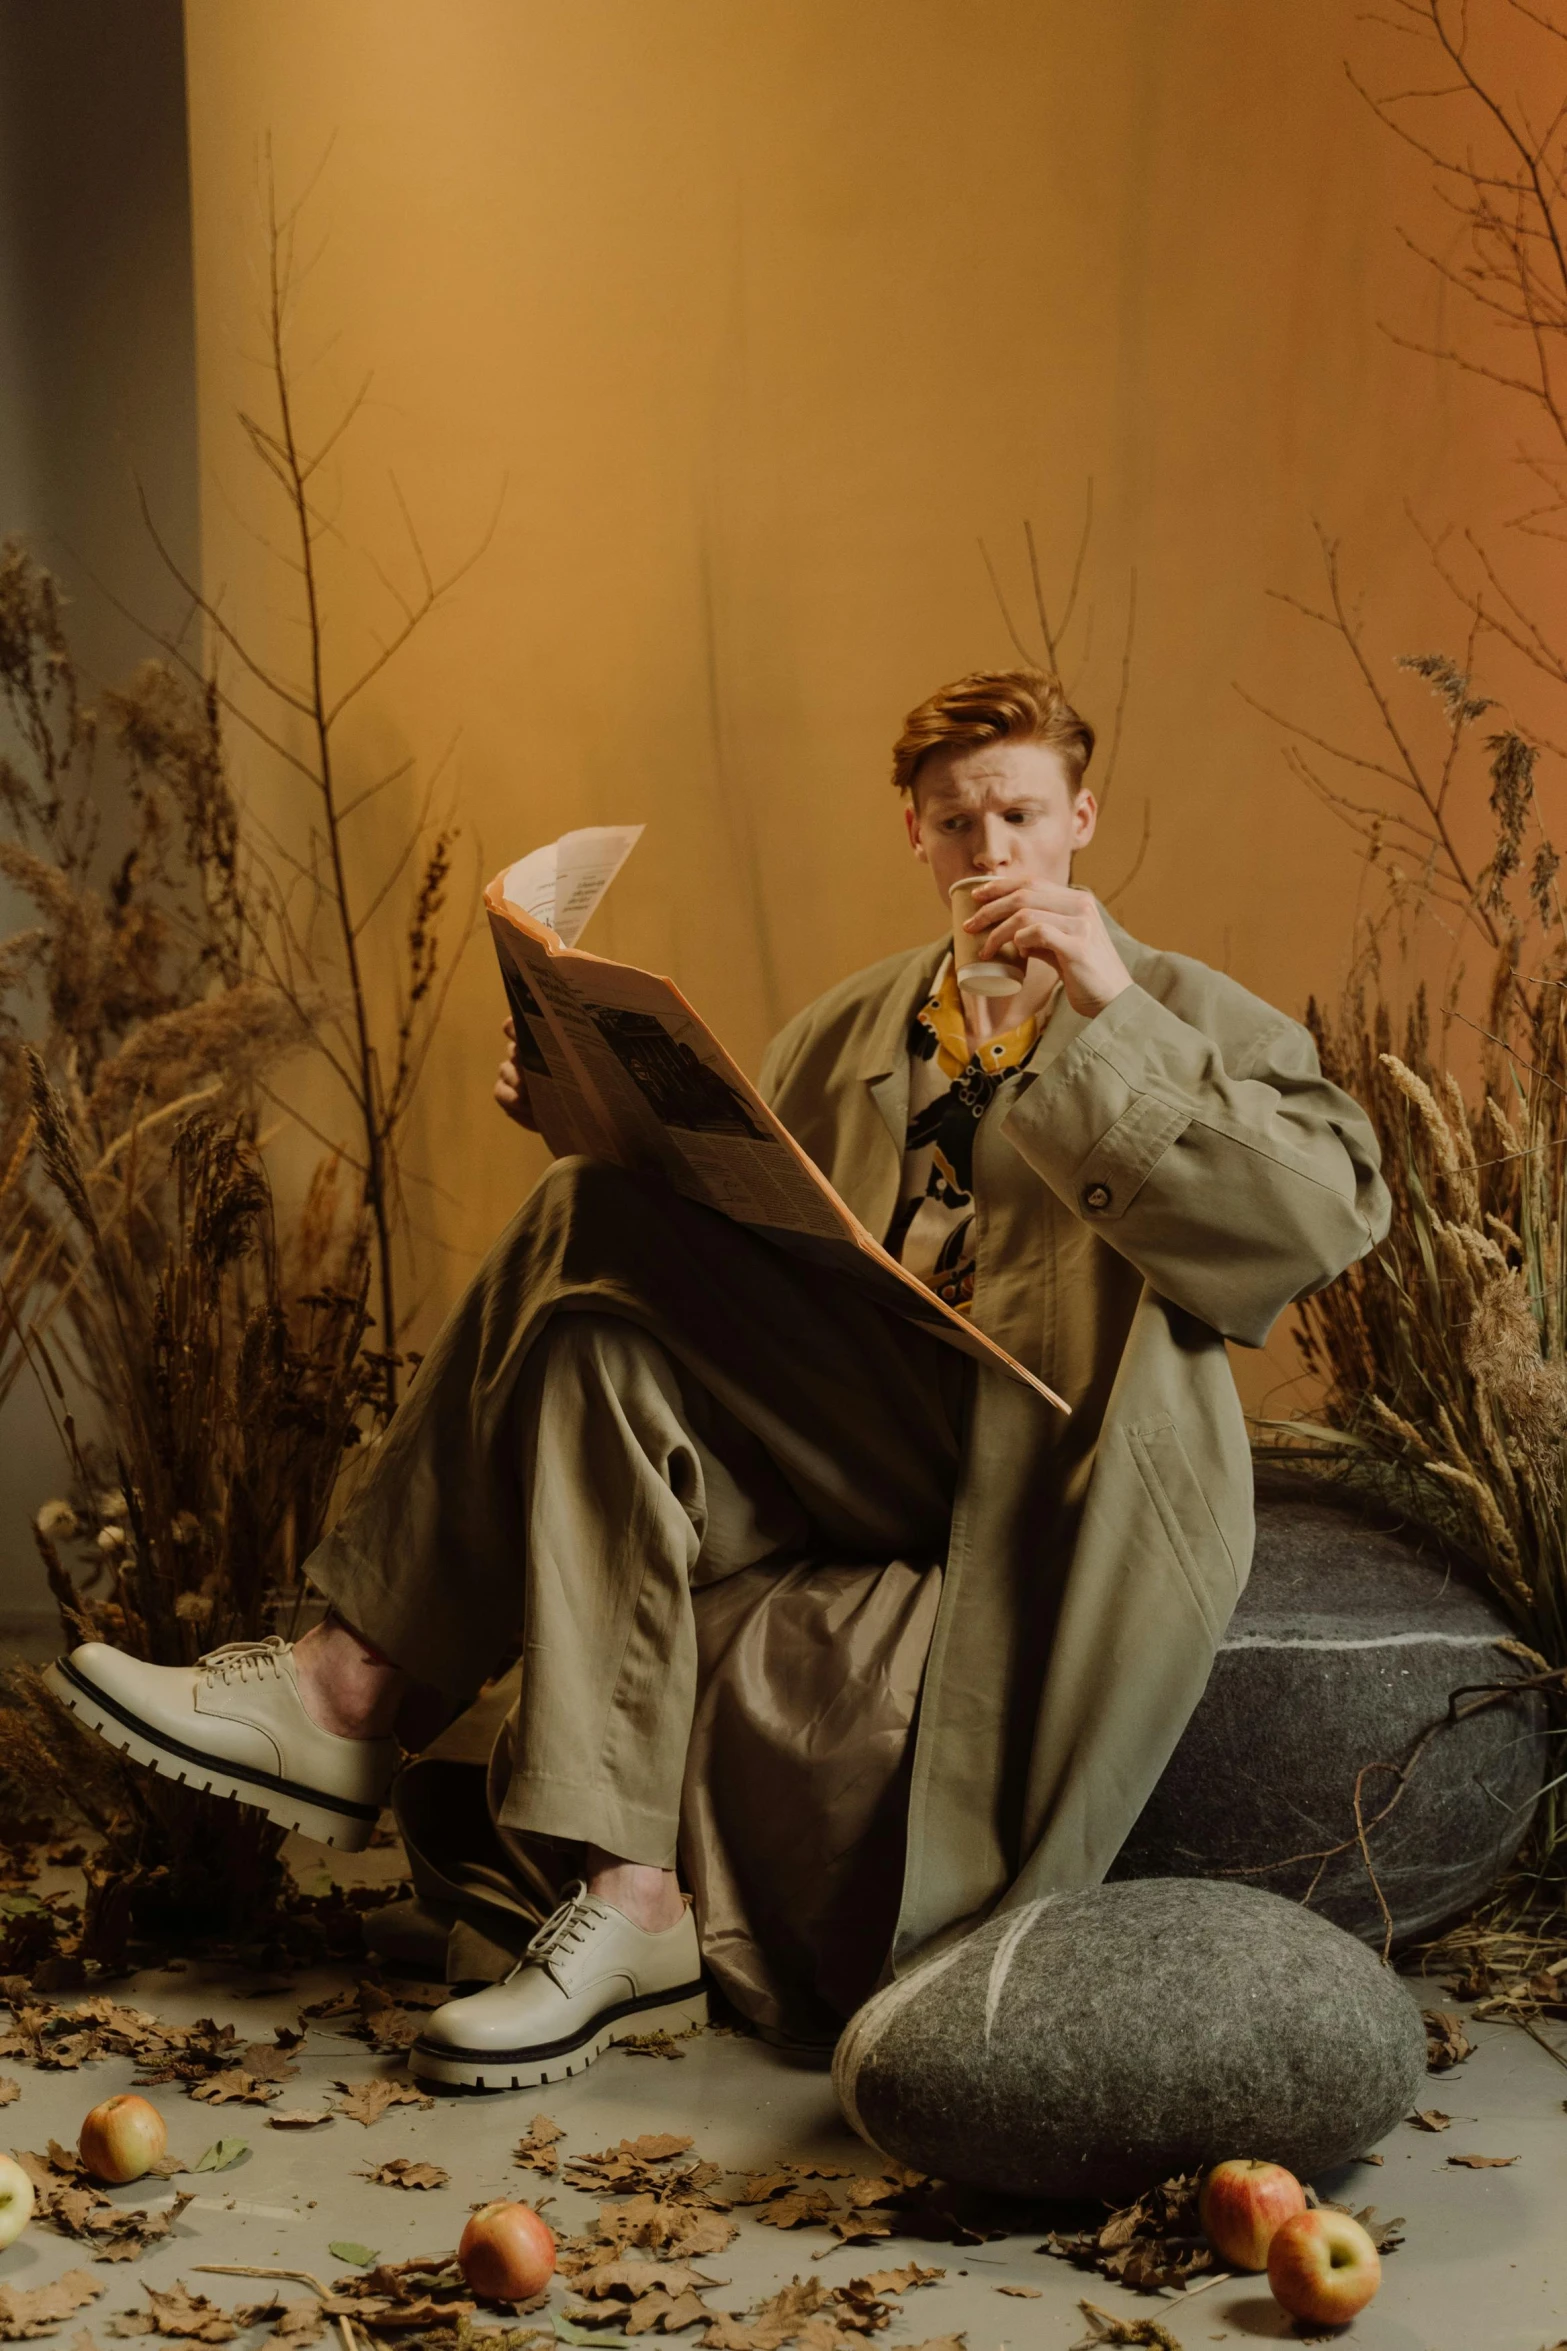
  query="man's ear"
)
[
  {"x": 911, "y": 818},
  {"x": 1085, "y": 818}
]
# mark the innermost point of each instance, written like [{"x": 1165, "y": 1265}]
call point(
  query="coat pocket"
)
[{"x": 1192, "y": 1531}]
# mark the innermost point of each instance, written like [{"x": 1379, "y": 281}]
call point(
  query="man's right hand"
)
[{"x": 511, "y": 1090}]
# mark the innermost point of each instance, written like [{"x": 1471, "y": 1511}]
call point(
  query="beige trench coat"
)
[
  {"x": 1166, "y": 1176},
  {"x": 1161, "y": 1178}
]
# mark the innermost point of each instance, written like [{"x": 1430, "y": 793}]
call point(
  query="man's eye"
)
[{"x": 1019, "y": 815}]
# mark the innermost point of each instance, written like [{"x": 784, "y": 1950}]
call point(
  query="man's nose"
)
[{"x": 994, "y": 846}]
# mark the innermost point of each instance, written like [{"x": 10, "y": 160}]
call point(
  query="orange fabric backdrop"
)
[{"x": 764, "y": 315}]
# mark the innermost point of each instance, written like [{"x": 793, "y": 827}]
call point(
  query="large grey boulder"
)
[
  {"x": 1087, "y": 2045},
  {"x": 1350, "y": 1639}
]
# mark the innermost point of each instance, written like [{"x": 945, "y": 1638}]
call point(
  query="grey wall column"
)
[{"x": 97, "y": 389}]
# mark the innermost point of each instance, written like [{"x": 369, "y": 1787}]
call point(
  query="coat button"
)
[{"x": 1096, "y": 1198}]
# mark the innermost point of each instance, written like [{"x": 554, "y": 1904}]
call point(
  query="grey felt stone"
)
[
  {"x": 1088, "y": 2045},
  {"x": 1349, "y": 1640}
]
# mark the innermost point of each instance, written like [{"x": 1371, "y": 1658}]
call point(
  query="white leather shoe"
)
[
  {"x": 589, "y": 1977},
  {"x": 233, "y": 1724}
]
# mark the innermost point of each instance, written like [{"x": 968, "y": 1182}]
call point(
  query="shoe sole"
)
[
  {"x": 531, "y": 2069},
  {"x": 347, "y": 1826}
]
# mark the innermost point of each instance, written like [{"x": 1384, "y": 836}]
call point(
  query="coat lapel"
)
[{"x": 886, "y": 1065}]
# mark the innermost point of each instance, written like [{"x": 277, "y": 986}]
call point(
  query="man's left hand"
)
[{"x": 1061, "y": 926}]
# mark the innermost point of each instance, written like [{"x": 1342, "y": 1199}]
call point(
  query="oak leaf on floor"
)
[
  {"x": 899, "y": 2281},
  {"x": 187, "y": 2317},
  {"x": 38, "y": 2310},
  {"x": 1103, "y": 2328},
  {"x": 69, "y": 2201},
  {"x": 403, "y": 2172},
  {"x": 773, "y": 2323},
  {"x": 539, "y": 2150},
  {"x": 1447, "y": 2044},
  {"x": 366, "y": 2102}
]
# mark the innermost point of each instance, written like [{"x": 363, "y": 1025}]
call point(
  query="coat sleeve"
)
[{"x": 1234, "y": 1186}]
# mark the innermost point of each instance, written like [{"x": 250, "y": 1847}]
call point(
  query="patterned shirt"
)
[{"x": 951, "y": 1086}]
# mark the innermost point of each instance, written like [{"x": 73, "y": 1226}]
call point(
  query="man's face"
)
[{"x": 1007, "y": 809}]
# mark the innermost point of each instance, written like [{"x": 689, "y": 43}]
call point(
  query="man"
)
[{"x": 1114, "y": 1170}]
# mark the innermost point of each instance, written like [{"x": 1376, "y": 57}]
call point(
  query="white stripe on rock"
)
[
  {"x": 866, "y": 2028},
  {"x": 1001, "y": 1964}
]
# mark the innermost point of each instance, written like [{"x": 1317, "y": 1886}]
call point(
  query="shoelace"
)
[
  {"x": 563, "y": 1928},
  {"x": 238, "y": 1659}
]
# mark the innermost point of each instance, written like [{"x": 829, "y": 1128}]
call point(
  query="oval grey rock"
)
[
  {"x": 1087, "y": 2045},
  {"x": 1348, "y": 1643}
]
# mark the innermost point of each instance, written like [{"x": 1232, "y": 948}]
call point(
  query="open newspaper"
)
[{"x": 618, "y": 1067}]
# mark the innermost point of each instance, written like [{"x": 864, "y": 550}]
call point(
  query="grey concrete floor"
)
[{"x": 1484, "y": 2267}]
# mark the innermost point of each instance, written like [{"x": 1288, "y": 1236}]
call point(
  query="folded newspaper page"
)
[{"x": 619, "y": 1067}]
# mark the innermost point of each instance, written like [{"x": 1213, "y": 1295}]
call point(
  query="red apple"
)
[
  {"x": 1323, "y": 2267},
  {"x": 507, "y": 2253},
  {"x": 1240, "y": 2206},
  {"x": 16, "y": 2200},
  {"x": 122, "y": 2138}
]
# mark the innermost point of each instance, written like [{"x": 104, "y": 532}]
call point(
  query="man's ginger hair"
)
[{"x": 994, "y": 706}]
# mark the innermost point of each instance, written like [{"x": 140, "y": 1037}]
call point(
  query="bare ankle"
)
[
  {"x": 345, "y": 1686},
  {"x": 649, "y": 1897}
]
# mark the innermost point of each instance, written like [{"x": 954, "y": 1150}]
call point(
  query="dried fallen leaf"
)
[
  {"x": 681, "y": 2231},
  {"x": 1447, "y": 2044},
  {"x": 400, "y": 2172},
  {"x": 236, "y": 2088},
  {"x": 299, "y": 2324},
  {"x": 366, "y": 2102},
  {"x": 1482, "y": 2162},
  {"x": 774, "y": 2322},
  {"x": 387, "y": 2024},
  {"x": 898, "y": 2281},
  {"x": 803, "y": 2207},
  {"x": 859, "y": 2309},
  {"x": 328, "y": 2011},
  {"x": 38, "y": 2310},
  {"x": 77, "y": 2207},
  {"x": 1150, "y": 2244},
  {"x": 1023, "y": 2293},
  {"x": 646, "y": 2296},
  {"x": 635, "y": 2165},
  {"x": 538, "y": 2150},
  {"x": 426, "y": 2293},
  {"x": 1102, "y": 2328},
  {"x": 299, "y": 2118},
  {"x": 628, "y": 2279},
  {"x": 659, "y": 2044},
  {"x": 222, "y": 2155},
  {"x": 1430, "y": 2118},
  {"x": 345, "y": 2249},
  {"x": 190, "y": 2318},
  {"x": 8, "y": 2089}
]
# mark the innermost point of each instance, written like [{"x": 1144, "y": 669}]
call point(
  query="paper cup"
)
[{"x": 975, "y": 975}]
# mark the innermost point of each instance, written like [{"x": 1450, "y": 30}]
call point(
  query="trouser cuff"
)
[{"x": 591, "y": 1814}]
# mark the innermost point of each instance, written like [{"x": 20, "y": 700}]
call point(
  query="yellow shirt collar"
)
[{"x": 942, "y": 1013}]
